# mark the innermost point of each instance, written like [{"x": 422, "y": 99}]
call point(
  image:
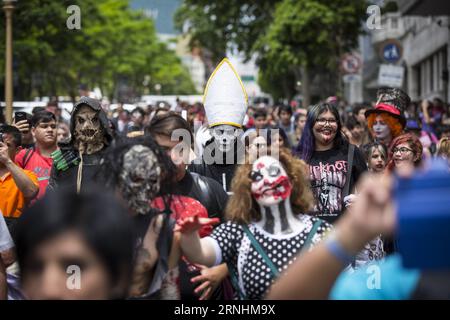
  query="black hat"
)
[{"x": 393, "y": 101}]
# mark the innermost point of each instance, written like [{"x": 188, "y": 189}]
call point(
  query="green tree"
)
[
  {"x": 221, "y": 25},
  {"x": 289, "y": 37},
  {"x": 306, "y": 34},
  {"x": 115, "y": 45}
]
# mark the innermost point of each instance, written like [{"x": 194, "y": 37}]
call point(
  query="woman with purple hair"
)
[{"x": 329, "y": 156}]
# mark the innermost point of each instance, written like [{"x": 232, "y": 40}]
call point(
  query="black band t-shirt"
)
[{"x": 328, "y": 174}]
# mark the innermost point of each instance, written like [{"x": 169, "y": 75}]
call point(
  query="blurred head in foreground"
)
[{"x": 73, "y": 246}]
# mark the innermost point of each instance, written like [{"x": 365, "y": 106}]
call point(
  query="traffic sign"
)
[
  {"x": 391, "y": 51},
  {"x": 391, "y": 76},
  {"x": 351, "y": 63}
]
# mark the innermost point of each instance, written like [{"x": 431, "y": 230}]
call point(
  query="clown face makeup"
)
[
  {"x": 225, "y": 136},
  {"x": 381, "y": 129},
  {"x": 270, "y": 182},
  {"x": 140, "y": 178},
  {"x": 89, "y": 133}
]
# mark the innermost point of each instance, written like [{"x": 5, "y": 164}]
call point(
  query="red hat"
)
[
  {"x": 392, "y": 101},
  {"x": 389, "y": 109}
]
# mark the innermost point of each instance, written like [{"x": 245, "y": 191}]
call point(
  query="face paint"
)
[
  {"x": 325, "y": 128},
  {"x": 224, "y": 136},
  {"x": 270, "y": 182},
  {"x": 89, "y": 133},
  {"x": 403, "y": 154},
  {"x": 380, "y": 128},
  {"x": 140, "y": 178}
]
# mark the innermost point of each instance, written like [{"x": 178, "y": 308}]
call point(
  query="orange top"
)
[{"x": 12, "y": 201}]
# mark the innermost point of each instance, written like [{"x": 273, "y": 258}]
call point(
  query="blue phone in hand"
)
[{"x": 423, "y": 218}]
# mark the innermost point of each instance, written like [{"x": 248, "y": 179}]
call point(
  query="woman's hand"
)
[
  {"x": 196, "y": 250},
  {"x": 193, "y": 224},
  {"x": 209, "y": 280}
]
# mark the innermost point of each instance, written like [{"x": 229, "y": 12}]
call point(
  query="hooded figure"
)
[
  {"x": 76, "y": 162},
  {"x": 225, "y": 102}
]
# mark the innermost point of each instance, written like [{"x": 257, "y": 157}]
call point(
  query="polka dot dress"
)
[{"x": 254, "y": 274}]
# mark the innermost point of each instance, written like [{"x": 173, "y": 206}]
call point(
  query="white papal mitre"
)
[{"x": 225, "y": 99}]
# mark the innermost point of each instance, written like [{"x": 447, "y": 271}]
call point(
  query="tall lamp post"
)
[{"x": 8, "y": 7}]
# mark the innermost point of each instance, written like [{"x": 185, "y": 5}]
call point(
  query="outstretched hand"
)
[{"x": 194, "y": 223}]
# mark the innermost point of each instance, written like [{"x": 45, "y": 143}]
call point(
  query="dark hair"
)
[
  {"x": 2, "y": 117},
  {"x": 358, "y": 107},
  {"x": 307, "y": 143},
  {"x": 14, "y": 132},
  {"x": 352, "y": 123},
  {"x": 52, "y": 103},
  {"x": 167, "y": 123},
  {"x": 37, "y": 109},
  {"x": 283, "y": 135},
  {"x": 286, "y": 108},
  {"x": 443, "y": 129},
  {"x": 260, "y": 113},
  {"x": 140, "y": 110},
  {"x": 42, "y": 116},
  {"x": 298, "y": 115},
  {"x": 100, "y": 219},
  {"x": 113, "y": 162}
]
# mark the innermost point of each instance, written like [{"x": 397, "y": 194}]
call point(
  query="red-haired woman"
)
[
  {"x": 386, "y": 121},
  {"x": 406, "y": 149}
]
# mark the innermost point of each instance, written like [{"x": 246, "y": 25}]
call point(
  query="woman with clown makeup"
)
[
  {"x": 267, "y": 226},
  {"x": 386, "y": 121}
]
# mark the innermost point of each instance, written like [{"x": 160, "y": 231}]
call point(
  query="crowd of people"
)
[{"x": 217, "y": 200}]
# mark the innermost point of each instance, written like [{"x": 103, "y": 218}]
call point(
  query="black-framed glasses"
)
[
  {"x": 323, "y": 121},
  {"x": 402, "y": 150}
]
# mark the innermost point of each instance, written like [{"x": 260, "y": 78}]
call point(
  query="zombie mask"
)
[
  {"x": 270, "y": 182},
  {"x": 225, "y": 136},
  {"x": 89, "y": 134},
  {"x": 140, "y": 178}
]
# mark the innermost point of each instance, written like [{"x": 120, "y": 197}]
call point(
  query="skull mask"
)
[
  {"x": 225, "y": 136},
  {"x": 270, "y": 182},
  {"x": 89, "y": 134},
  {"x": 139, "y": 180}
]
